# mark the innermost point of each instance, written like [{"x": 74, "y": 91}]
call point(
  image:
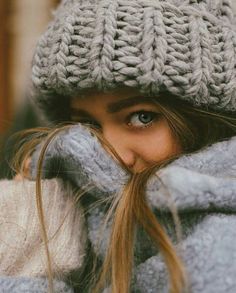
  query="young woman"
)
[{"x": 144, "y": 199}]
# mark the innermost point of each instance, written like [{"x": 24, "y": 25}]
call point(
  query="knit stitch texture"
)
[{"x": 187, "y": 48}]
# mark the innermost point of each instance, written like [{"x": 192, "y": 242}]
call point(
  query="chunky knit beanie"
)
[{"x": 184, "y": 47}]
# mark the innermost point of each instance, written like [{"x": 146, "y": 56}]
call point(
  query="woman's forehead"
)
[{"x": 121, "y": 91}]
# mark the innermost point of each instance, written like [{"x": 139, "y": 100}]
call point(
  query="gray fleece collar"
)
[
  {"x": 196, "y": 181},
  {"x": 201, "y": 185}
]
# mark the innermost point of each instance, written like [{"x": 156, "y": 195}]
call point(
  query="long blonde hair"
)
[{"x": 195, "y": 129}]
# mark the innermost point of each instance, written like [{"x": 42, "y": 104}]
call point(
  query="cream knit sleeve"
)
[{"x": 22, "y": 251}]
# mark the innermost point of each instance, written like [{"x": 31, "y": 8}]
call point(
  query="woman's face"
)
[{"x": 132, "y": 124}]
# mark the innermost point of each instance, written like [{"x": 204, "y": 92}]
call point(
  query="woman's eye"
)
[{"x": 142, "y": 118}]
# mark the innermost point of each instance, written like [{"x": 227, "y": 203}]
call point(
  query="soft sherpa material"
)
[
  {"x": 22, "y": 251},
  {"x": 185, "y": 47},
  {"x": 202, "y": 186},
  {"x": 23, "y": 262}
]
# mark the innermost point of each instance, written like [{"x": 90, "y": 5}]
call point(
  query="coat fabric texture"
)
[{"x": 201, "y": 186}]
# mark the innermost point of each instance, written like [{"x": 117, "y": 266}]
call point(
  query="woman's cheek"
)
[{"x": 158, "y": 146}]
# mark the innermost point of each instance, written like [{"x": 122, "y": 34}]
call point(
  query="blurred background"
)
[{"x": 21, "y": 23}]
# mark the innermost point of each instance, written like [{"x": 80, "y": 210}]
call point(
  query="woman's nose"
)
[{"x": 122, "y": 146}]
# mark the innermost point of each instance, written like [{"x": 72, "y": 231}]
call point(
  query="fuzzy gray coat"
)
[{"x": 202, "y": 186}]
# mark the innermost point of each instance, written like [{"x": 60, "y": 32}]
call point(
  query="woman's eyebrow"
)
[
  {"x": 78, "y": 112},
  {"x": 120, "y": 105}
]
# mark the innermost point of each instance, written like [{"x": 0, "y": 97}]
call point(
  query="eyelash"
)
[
  {"x": 154, "y": 115},
  {"x": 128, "y": 119}
]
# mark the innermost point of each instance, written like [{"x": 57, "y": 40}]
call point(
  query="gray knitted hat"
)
[{"x": 184, "y": 47}]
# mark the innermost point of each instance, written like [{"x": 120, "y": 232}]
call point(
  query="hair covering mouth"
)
[{"x": 186, "y": 48}]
